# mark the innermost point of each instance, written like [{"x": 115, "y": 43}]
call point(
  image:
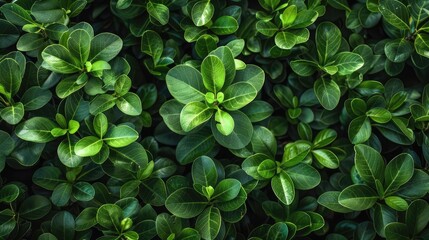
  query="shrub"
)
[{"x": 214, "y": 119}]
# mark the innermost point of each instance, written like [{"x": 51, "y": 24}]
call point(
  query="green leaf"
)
[
  {"x": 359, "y": 130},
  {"x": 152, "y": 45},
  {"x": 68, "y": 86},
  {"x": 58, "y": 58},
  {"x": 101, "y": 103},
  {"x": 266, "y": 28},
  {"x": 205, "y": 44},
  {"x": 398, "y": 172},
  {"x": 283, "y": 188},
  {"x": 10, "y": 81},
  {"x": 379, "y": 115},
  {"x": 326, "y": 158},
  {"x": 35, "y": 97},
  {"x": 15, "y": 14},
  {"x": 79, "y": 43},
  {"x": 295, "y": 152},
  {"x": 36, "y": 129},
  {"x": 278, "y": 231},
  {"x": 397, "y": 231},
  {"x": 224, "y": 25},
  {"x": 194, "y": 145},
  {"x": 421, "y": 44},
  {"x": 419, "y": 10},
  {"x": 288, "y": 39},
  {"x": 202, "y": 12},
  {"x": 109, "y": 216},
  {"x": 397, "y": 203},
  {"x": 9, "y": 193},
  {"x": 167, "y": 224},
  {"x": 13, "y": 114},
  {"x": 267, "y": 169},
  {"x": 213, "y": 73},
  {"x": 227, "y": 190},
  {"x": 47, "y": 177},
  {"x": 30, "y": 42},
  {"x": 83, "y": 191},
  {"x": 383, "y": 215},
  {"x": 34, "y": 207},
  {"x": 395, "y": 13},
  {"x": 61, "y": 194},
  {"x": 329, "y": 200},
  {"x": 130, "y": 104},
  {"x": 358, "y": 197},
  {"x": 289, "y": 15},
  {"x": 240, "y": 136},
  {"x": 47, "y": 11},
  {"x": 104, "y": 46},
  {"x": 120, "y": 136},
  {"x": 88, "y": 146},
  {"x": 225, "y": 55},
  {"x": 348, "y": 62},
  {"x": 327, "y": 92},
  {"x": 185, "y": 203},
  {"x": 304, "y": 176},
  {"x": 369, "y": 164},
  {"x": 328, "y": 41},
  {"x": 204, "y": 172},
  {"x": 208, "y": 223},
  {"x": 194, "y": 114},
  {"x": 170, "y": 113},
  {"x": 303, "y": 68},
  {"x": 398, "y": 50},
  {"x": 9, "y": 34},
  {"x": 225, "y": 123},
  {"x": 63, "y": 225},
  {"x": 158, "y": 11},
  {"x": 66, "y": 153},
  {"x": 417, "y": 216},
  {"x": 263, "y": 141},
  {"x": 239, "y": 95},
  {"x": 86, "y": 219},
  {"x": 133, "y": 153},
  {"x": 185, "y": 84}
]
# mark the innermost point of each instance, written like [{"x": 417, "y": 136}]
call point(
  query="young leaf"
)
[
  {"x": 194, "y": 114},
  {"x": 120, "y": 136},
  {"x": 283, "y": 188},
  {"x": 358, "y": 197},
  {"x": 225, "y": 123},
  {"x": 88, "y": 146},
  {"x": 213, "y": 73}
]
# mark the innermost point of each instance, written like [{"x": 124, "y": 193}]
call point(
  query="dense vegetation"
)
[{"x": 214, "y": 119}]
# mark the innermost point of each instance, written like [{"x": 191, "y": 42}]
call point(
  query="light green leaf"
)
[
  {"x": 239, "y": 95},
  {"x": 266, "y": 28},
  {"x": 283, "y": 188},
  {"x": 348, "y": 62},
  {"x": 224, "y": 25},
  {"x": 304, "y": 176},
  {"x": 225, "y": 123},
  {"x": 326, "y": 158},
  {"x": 421, "y": 44},
  {"x": 328, "y": 41},
  {"x": 109, "y": 216},
  {"x": 202, "y": 12},
  {"x": 13, "y": 114},
  {"x": 88, "y": 146},
  {"x": 130, "y": 104},
  {"x": 158, "y": 11},
  {"x": 213, "y": 73},
  {"x": 36, "y": 129},
  {"x": 358, "y": 197},
  {"x": 120, "y": 136},
  {"x": 79, "y": 43},
  {"x": 194, "y": 114},
  {"x": 288, "y": 39},
  {"x": 359, "y": 130}
]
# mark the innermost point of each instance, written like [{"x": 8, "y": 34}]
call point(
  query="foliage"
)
[{"x": 204, "y": 119}]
